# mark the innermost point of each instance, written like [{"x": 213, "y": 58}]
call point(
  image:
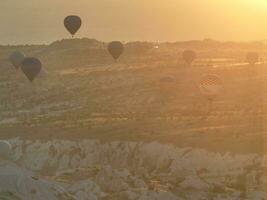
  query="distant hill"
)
[
  {"x": 87, "y": 94},
  {"x": 68, "y": 53},
  {"x": 209, "y": 43}
]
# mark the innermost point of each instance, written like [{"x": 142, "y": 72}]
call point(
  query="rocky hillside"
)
[{"x": 89, "y": 169}]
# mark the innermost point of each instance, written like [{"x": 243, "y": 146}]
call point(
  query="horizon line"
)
[{"x": 130, "y": 41}]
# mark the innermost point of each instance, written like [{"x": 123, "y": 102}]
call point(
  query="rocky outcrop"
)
[
  {"x": 17, "y": 183},
  {"x": 89, "y": 169}
]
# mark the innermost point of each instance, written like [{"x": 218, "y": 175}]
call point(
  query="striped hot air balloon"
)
[{"x": 210, "y": 86}]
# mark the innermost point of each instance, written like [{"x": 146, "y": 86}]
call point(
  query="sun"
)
[{"x": 257, "y": 2}]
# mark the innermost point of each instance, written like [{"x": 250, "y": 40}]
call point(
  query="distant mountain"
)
[
  {"x": 68, "y": 53},
  {"x": 76, "y": 43},
  {"x": 209, "y": 43}
]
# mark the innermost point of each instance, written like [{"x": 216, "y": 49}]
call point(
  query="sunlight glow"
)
[{"x": 256, "y": 2}]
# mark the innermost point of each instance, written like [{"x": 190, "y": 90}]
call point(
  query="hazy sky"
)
[{"x": 41, "y": 21}]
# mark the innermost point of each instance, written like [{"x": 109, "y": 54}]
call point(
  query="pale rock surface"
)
[
  {"x": 25, "y": 186},
  {"x": 89, "y": 169}
]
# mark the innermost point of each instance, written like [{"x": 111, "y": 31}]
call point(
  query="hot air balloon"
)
[
  {"x": 31, "y": 67},
  {"x": 16, "y": 59},
  {"x": 5, "y": 150},
  {"x": 72, "y": 23},
  {"x": 210, "y": 86},
  {"x": 115, "y": 48},
  {"x": 252, "y": 58},
  {"x": 189, "y": 56}
]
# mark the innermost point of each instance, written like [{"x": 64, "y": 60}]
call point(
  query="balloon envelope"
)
[
  {"x": 115, "y": 48},
  {"x": 16, "y": 59},
  {"x": 189, "y": 56},
  {"x": 210, "y": 85},
  {"x": 72, "y": 23},
  {"x": 31, "y": 67}
]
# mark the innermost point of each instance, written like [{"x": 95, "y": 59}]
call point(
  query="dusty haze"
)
[{"x": 36, "y": 21}]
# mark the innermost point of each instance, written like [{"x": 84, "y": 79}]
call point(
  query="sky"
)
[{"x": 41, "y": 21}]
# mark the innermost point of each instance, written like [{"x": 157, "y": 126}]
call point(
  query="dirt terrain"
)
[{"x": 85, "y": 94}]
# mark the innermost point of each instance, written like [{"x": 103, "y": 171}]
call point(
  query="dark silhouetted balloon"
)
[
  {"x": 189, "y": 56},
  {"x": 31, "y": 67},
  {"x": 252, "y": 58},
  {"x": 115, "y": 48},
  {"x": 16, "y": 59},
  {"x": 72, "y": 23}
]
